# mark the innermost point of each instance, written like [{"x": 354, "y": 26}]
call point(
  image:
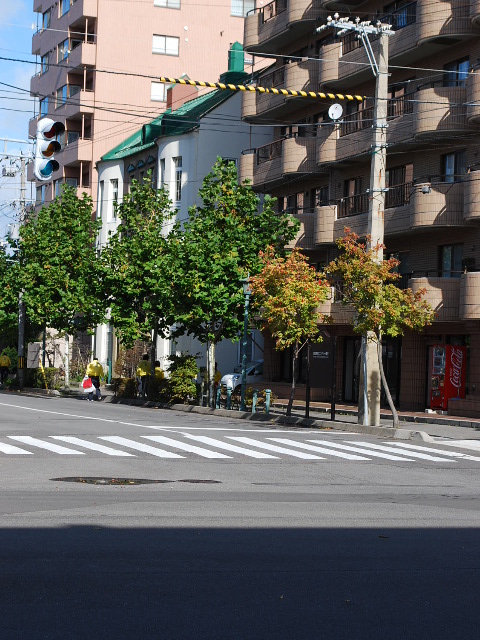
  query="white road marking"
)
[
  {"x": 311, "y": 447},
  {"x": 276, "y": 448},
  {"x": 49, "y": 446},
  {"x": 109, "y": 451},
  {"x": 11, "y": 450},
  {"x": 205, "y": 453},
  {"x": 131, "y": 444},
  {"x": 229, "y": 447},
  {"x": 422, "y": 456},
  {"x": 451, "y": 454},
  {"x": 462, "y": 444},
  {"x": 373, "y": 454}
]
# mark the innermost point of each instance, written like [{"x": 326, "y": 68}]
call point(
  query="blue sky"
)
[{"x": 16, "y": 108}]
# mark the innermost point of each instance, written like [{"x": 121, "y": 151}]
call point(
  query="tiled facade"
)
[
  {"x": 321, "y": 171},
  {"x": 98, "y": 60}
]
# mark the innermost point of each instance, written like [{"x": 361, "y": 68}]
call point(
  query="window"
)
[
  {"x": 226, "y": 161},
  {"x": 61, "y": 96},
  {"x": 44, "y": 106},
  {"x": 162, "y": 173},
  {"x": 242, "y": 7},
  {"x": 72, "y": 182},
  {"x": 451, "y": 257},
  {"x": 72, "y": 136},
  {"x": 73, "y": 89},
  {"x": 101, "y": 189},
  {"x": 46, "y": 19},
  {"x": 456, "y": 73},
  {"x": 322, "y": 196},
  {"x": 169, "y": 4},
  {"x": 44, "y": 62},
  {"x": 177, "y": 163},
  {"x": 57, "y": 187},
  {"x": 158, "y": 92},
  {"x": 166, "y": 45},
  {"x": 454, "y": 166},
  {"x": 114, "y": 190},
  {"x": 63, "y": 50},
  {"x": 65, "y": 6}
]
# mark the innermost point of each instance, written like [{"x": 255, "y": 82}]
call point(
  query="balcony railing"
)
[
  {"x": 399, "y": 19},
  {"x": 363, "y": 119},
  {"x": 269, "y": 151},
  {"x": 398, "y": 195},
  {"x": 272, "y": 10},
  {"x": 273, "y": 79},
  {"x": 352, "y": 205}
]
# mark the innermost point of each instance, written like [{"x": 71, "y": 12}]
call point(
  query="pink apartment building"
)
[{"x": 98, "y": 60}]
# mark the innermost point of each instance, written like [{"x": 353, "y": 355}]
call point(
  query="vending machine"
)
[{"x": 447, "y": 379}]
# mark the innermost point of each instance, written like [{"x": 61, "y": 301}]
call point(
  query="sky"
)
[{"x": 16, "y": 107}]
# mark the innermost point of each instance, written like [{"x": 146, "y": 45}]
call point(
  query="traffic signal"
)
[{"x": 46, "y": 145}]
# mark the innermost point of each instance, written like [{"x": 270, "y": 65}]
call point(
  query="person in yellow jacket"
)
[
  {"x": 143, "y": 371},
  {"x": 94, "y": 371},
  {"x": 5, "y": 364},
  {"x": 159, "y": 372}
]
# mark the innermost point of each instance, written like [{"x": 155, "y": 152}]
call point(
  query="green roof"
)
[{"x": 170, "y": 123}]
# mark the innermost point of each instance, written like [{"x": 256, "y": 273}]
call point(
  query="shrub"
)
[
  {"x": 183, "y": 372},
  {"x": 52, "y": 378}
]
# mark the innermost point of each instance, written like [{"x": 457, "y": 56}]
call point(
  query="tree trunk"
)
[
  {"x": 294, "y": 376},
  {"x": 396, "y": 422},
  {"x": 211, "y": 372}
]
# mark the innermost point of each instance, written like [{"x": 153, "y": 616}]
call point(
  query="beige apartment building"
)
[
  {"x": 97, "y": 66},
  {"x": 320, "y": 170}
]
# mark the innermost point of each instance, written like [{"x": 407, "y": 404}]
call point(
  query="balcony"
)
[
  {"x": 280, "y": 22},
  {"x": 397, "y": 208},
  {"x": 326, "y": 144},
  {"x": 76, "y": 152},
  {"x": 83, "y": 55},
  {"x": 82, "y": 9},
  {"x": 325, "y": 216},
  {"x": 328, "y": 64},
  {"x": 301, "y": 75},
  {"x": 352, "y": 206},
  {"x": 471, "y": 198},
  {"x": 449, "y": 20},
  {"x": 339, "y": 313},
  {"x": 38, "y": 6},
  {"x": 442, "y": 207},
  {"x": 439, "y": 111},
  {"x": 298, "y": 155},
  {"x": 304, "y": 237},
  {"x": 249, "y": 105},
  {"x": 78, "y": 104},
  {"x": 470, "y": 296},
  {"x": 268, "y": 164},
  {"x": 84, "y": 190},
  {"x": 443, "y": 295},
  {"x": 247, "y": 163},
  {"x": 270, "y": 103},
  {"x": 473, "y": 96}
]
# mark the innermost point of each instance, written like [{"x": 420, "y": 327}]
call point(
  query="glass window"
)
[
  {"x": 451, "y": 256},
  {"x": 72, "y": 136},
  {"x": 241, "y": 7},
  {"x": 162, "y": 173},
  {"x": 63, "y": 50},
  {"x": 158, "y": 92},
  {"x": 456, "y": 73},
  {"x": 114, "y": 190},
  {"x": 61, "y": 96},
  {"x": 44, "y": 62},
  {"x": 44, "y": 106},
  {"x": 101, "y": 187},
  {"x": 166, "y": 45},
  {"x": 46, "y": 19},
  {"x": 65, "y": 6},
  {"x": 72, "y": 182},
  {"x": 177, "y": 163},
  {"x": 170, "y": 4},
  {"x": 454, "y": 166}
]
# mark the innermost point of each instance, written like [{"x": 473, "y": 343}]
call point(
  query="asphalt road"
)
[{"x": 255, "y": 531}]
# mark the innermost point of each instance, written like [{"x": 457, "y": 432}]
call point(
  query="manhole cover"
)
[{"x": 124, "y": 481}]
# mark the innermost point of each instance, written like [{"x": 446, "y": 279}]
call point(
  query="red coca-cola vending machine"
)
[{"x": 448, "y": 369}]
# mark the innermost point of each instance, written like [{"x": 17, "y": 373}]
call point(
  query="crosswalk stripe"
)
[
  {"x": 131, "y": 444},
  {"x": 49, "y": 446},
  {"x": 311, "y": 447},
  {"x": 373, "y": 454},
  {"x": 277, "y": 449},
  {"x": 205, "y": 453},
  {"x": 413, "y": 454},
  {"x": 109, "y": 451},
  {"x": 11, "y": 450},
  {"x": 229, "y": 447},
  {"x": 450, "y": 454}
]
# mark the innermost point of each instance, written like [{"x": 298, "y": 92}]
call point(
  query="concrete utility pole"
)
[{"x": 370, "y": 381}]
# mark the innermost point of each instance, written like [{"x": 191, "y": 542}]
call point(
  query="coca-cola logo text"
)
[{"x": 456, "y": 359}]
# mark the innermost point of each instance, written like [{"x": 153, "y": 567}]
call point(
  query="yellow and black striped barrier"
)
[{"x": 343, "y": 97}]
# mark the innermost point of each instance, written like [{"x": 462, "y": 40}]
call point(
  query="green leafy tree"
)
[
  {"x": 214, "y": 250},
  {"x": 58, "y": 266},
  {"x": 135, "y": 267},
  {"x": 9, "y": 297},
  {"x": 286, "y": 294},
  {"x": 381, "y": 307}
]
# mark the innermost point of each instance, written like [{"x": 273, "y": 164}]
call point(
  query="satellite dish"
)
[{"x": 336, "y": 111}]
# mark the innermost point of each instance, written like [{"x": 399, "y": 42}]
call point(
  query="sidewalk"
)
[{"x": 414, "y": 424}]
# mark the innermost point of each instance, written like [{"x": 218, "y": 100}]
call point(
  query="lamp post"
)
[{"x": 246, "y": 293}]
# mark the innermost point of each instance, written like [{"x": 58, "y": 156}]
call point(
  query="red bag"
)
[{"x": 87, "y": 383}]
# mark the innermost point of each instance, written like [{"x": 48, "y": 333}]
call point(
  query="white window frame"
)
[
  {"x": 158, "y": 92},
  {"x": 167, "y": 4},
  {"x": 101, "y": 193},
  {"x": 165, "y": 45},
  {"x": 114, "y": 198},
  {"x": 177, "y": 165},
  {"x": 240, "y": 8}
]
